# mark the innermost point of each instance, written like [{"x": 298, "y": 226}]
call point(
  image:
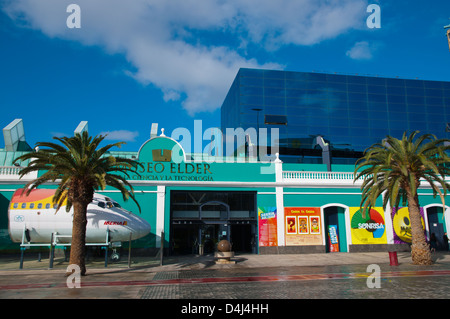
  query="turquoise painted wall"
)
[{"x": 166, "y": 167}]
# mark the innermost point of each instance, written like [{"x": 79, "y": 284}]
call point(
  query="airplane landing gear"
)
[{"x": 115, "y": 256}]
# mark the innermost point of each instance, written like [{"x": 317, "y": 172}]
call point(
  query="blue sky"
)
[{"x": 136, "y": 62}]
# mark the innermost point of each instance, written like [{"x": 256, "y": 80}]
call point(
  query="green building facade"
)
[{"x": 261, "y": 207}]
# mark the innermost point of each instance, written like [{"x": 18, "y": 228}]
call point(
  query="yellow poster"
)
[
  {"x": 402, "y": 224},
  {"x": 369, "y": 229}
]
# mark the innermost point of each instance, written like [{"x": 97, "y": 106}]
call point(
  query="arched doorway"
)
[
  {"x": 335, "y": 228},
  {"x": 436, "y": 226}
]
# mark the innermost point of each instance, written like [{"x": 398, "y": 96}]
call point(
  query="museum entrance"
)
[
  {"x": 336, "y": 240},
  {"x": 436, "y": 226},
  {"x": 200, "y": 219}
]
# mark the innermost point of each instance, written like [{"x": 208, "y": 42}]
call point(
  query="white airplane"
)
[{"x": 33, "y": 219}]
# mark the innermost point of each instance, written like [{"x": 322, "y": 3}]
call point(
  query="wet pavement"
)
[{"x": 252, "y": 277}]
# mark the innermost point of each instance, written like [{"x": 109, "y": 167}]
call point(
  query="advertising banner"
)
[
  {"x": 267, "y": 221},
  {"x": 368, "y": 229},
  {"x": 333, "y": 238},
  {"x": 402, "y": 225},
  {"x": 303, "y": 226}
]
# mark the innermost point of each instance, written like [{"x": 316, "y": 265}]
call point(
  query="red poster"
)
[
  {"x": 291, "y": 225},
  {"x": 267, "y": 220}
]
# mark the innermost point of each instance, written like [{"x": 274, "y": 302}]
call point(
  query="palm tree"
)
[
  {"x": 397, "y": 168},
  {"x": 79, "y": 168}
]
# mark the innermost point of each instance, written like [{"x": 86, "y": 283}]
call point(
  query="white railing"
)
[
  {"x": 338, "y": 179},
  {"x": 12, "y": 173},
  {"x": 10, "y": 170},
  {"x": 329, "y": 178},
  {"x": 326, "y": 176}
]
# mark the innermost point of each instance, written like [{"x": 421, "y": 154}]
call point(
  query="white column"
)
[
  {"x": 348, "y": 228},
  {"x": 447, "y": 218},
  {"x": 160, "y": 211},
  {"x": 280, "y": 202},
  {"x": 388, "y": 226}
]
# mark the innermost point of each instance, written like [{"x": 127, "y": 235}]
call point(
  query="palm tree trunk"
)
[
  {"x": 420, "y": 250},
  {"x": 78, "y": 247}
]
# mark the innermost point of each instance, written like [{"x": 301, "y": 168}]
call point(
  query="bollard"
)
[
  {"x": 106, "y": 255},
  {"x": 22, "y": 249},
  {"x": 51, "y": 254},
  {"x": 129, "y": 251},
  {"x": 393, "y": 260}
]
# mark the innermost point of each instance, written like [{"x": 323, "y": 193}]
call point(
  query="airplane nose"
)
[{"x": 143, "y": 228}]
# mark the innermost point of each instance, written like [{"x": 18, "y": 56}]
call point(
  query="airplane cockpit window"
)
[
  {"x": 109, "y": 205},
  {"x": 101, "y": 204},
  {"x": 116, "y": 204}
]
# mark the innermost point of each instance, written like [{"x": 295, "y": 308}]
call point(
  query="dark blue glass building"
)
[{"x": 350, "y": 112}]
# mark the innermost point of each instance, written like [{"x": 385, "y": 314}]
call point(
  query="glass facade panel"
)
[
  {"x": 271, "y": 109},
  {"x": 396, "y": 90},
  {"x": 274, "y": 83},
  {"x": 434, "y": 100},
  {"x": 356, "y": 87},
  {"x": 247, "y": 81},
  {"x": 396, "y": 98},
  {"x": 393, "y": 107},
  {"x": 278, "y": 101},
  {"x": 415, "y": 99},
  {"x": 252, "y": 90},
  {"x": 415, "y": 91},
  {"x": 433, "y": 92},
  {"x": 353, "y": 110},
  {"x": 391, "y": 83},
  {"x": 354, "y": 96},
  {"x": 252, "y": 100}
]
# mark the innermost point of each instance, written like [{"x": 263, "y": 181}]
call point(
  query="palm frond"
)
[
  {"x": 395, "y": 166},
  {"x": 78, "y": 163}
]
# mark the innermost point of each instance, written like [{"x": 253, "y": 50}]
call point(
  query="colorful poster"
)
[
  {"x": 267, "y": 221},
  {"x": 402, "y": 225},
  {"x": 333, "y": 239},
  {"x": 368, "y": 229},
  {"x": 302, "y": 226},
  {"x": 315, "y": 224},
  {"x": 291, "y": 225}
]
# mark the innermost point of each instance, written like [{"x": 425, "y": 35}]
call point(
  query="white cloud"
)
[
  {"x": 361, "y": 51},
  {"x": 121, "y": 135},
  {"x": 58, "y": 134},
  {"x": 300, "y": 22},
  {"x": 169, "y": 42}
]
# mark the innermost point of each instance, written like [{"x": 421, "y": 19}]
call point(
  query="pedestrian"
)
[
  {"x": 445, "y": 240},
  {"x": 433, "y": 242}
]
